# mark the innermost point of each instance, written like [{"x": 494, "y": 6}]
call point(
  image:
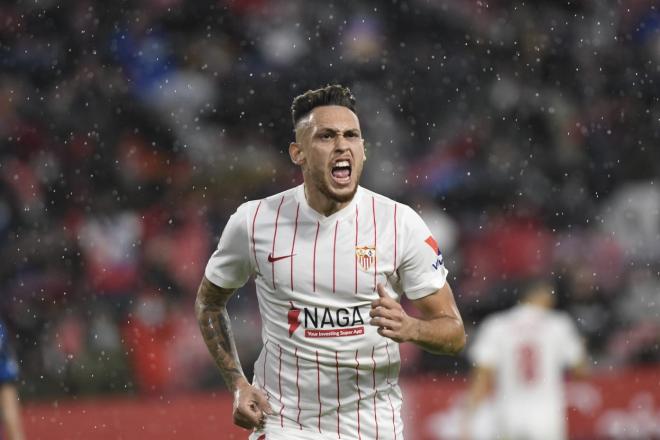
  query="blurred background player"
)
[
  {"x": 10, "y": 413},
  {"x": 521, "y": 355}
]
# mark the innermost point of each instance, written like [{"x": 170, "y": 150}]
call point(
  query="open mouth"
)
[{"x": 341, "y": 171}]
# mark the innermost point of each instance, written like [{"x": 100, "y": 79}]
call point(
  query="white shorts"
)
[
  {"x": 285, "y": 434},
  {"x": 292, "y": 434}
]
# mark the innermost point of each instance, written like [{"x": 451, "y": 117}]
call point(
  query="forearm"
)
[
  {"x": 444, "y": 334},
  {"x": 11, "y": 415},
  {"x": 438, "y": 330},
  {"x": 481, "y": 382},
  {"x": 214, "y": 323}
]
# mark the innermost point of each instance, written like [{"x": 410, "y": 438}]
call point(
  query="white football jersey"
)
[
  {"x": 529, "y": 347},
  {"x": 327, "y": 373}
]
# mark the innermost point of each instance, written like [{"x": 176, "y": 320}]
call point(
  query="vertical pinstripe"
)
[
  {"x": 334, "y": 256},
  {"x": 318, "y": 385},
  {"x": 277, "y": 217},
  {"x": 298, "y": 388},
  {"x": 387, "y": 378},
  {"x": 373, "y": 375},
  {"x": 254, "y": 246},
  {"x": 279, "y": 380},
  {"x": 395, "y": 238},
  {"x": 293, "y": 243},
  {"x": 265, "y": 358},
  {"x": 318, "y": 225},
  {"x": 357, "y": 382},
  {"x": 356, "y": 245},
  {"x": 338, "y": 401},
  {"x": 373, "y": 207}
]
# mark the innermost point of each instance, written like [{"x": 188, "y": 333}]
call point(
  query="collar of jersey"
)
[{"x": 311, "y": 212}]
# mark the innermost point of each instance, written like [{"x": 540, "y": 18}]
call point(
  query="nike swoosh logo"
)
[{"x": 272, "y": 259}]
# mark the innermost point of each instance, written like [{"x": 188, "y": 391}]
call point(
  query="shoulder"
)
[
  {"x": 404, "y": 212},
  {"x": 288, "y": 194},
  {"x": 494, "y": 323},
  {"x": 370, "y": 196},
  {"x": 270, "y": 203},
  {"x": 562, "y": 319}
]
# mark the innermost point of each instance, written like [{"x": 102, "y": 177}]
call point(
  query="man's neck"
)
[{"x": 320, "y": 203}]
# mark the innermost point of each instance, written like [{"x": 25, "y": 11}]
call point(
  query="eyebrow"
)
[{"x": 336, "y": 130}]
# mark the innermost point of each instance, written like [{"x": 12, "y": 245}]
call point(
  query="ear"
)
[{"x": 296, "y": 153}]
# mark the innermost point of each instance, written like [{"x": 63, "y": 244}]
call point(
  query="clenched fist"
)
[
  {"x": 390, "y": 318},
  {"x": 250, "y": 406}
]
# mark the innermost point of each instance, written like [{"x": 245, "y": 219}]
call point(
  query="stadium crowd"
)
[{"x": 526, "y": 134}]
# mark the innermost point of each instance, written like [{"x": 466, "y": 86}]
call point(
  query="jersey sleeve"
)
[
  {"x": 230, "y": 266},
  {"x": 421, "y": 269},
  {"x": 484, "y": 351},
  {"x": 8, "y": 364},
  {"x": 572, "y": 345}
]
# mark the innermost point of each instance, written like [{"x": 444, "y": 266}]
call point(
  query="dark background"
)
[{"x": 525, "y": 133}]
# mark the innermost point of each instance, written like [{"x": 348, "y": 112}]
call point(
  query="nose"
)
[{"x": 341, "y": 143}]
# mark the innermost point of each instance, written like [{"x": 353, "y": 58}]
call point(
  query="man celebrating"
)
[{"x": 330, "y": 260}]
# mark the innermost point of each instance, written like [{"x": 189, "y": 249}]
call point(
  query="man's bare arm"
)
[
  {"x": 10, "y": 411},
  {"x": 481, "y": 385},
  {"x": 439, "y": 330},
  {"x": 213, "y": 320},
  {"x": 250, "y": 403}
]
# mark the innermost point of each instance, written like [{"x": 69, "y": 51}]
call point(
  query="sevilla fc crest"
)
[{"x": 366, "y": 255}]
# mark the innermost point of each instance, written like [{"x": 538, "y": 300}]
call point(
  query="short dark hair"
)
[{"x": 334, "y": 94}]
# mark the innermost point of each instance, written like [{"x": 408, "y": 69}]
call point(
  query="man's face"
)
[{"x": 333, "y": 151}]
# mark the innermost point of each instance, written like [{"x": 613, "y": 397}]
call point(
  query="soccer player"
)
[
  {"x": 330, "y": 260},
  {"x": 10, "y": 413},
  {"x": 521, "y": 355}
]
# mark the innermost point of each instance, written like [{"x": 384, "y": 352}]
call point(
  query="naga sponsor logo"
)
[
  {"x": 434, "y": 245},
  {"x": 326, "y": 322}
]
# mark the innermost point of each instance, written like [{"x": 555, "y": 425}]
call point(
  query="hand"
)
[
  {"x": 250, "y": 406},
  {"x": 390, "y": 318}
]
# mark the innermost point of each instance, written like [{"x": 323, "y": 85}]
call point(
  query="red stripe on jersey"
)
[
  {"x": 293, "y": 243},
  {"x": 279, "y": 379},
  {"x": 338, "y": 401},
  {"x": 318, "y": 386},
  {"x": 334, "y": 255},
  {"x": 394, "y": 238},
  {"x": 373, "y": 374},
  {"x": 373, "y": 207},
  {"x": 357, "y": 382},
  {"x": 254, "y": 246},
  {"x": 277, "y": 217},
  {"x": 387, "y": 378},
  {"x": 318, "y": 225},
  {"x": 356, "y": 243},
  {"x": 265, "y": 358},
  {"x": 298, "y": 388}
]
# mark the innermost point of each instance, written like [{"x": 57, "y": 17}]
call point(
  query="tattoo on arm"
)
[{"x": 213, "y": 320}]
